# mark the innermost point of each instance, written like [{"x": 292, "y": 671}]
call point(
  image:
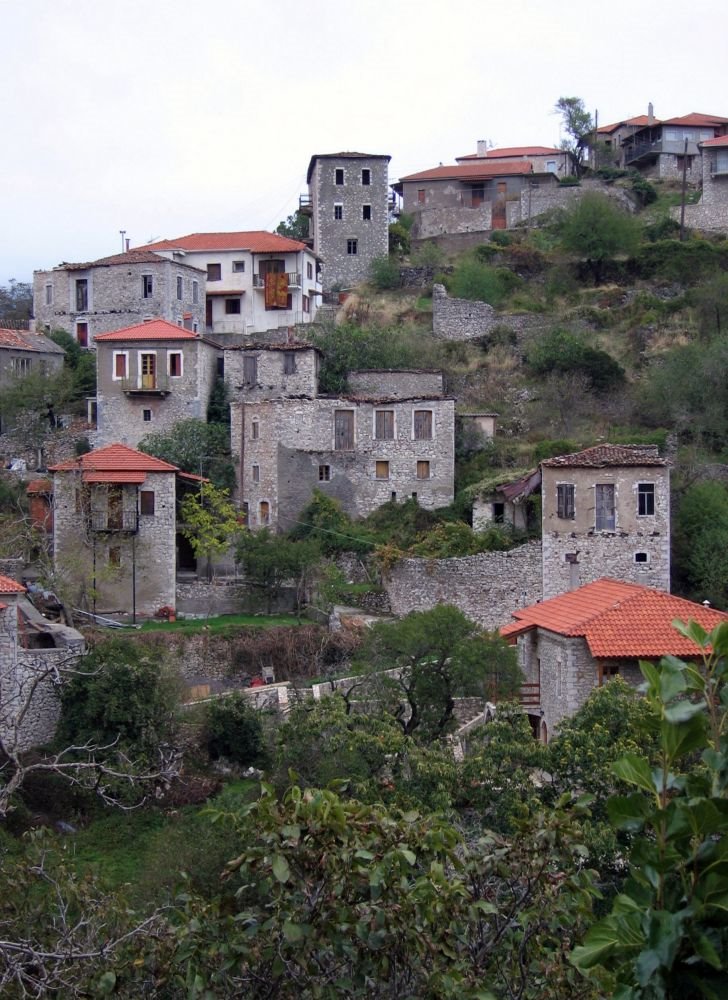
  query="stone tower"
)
[{"x": 349, "y": 205}]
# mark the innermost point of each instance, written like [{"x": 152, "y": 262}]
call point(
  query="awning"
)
[{"x": 235, "y": 293}]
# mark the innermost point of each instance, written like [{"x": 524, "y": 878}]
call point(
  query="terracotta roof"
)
[
  {"x": 618, "y": 619},
  {"x": 721, "y": 140},
  {"x": 114, "y": 458},
  {"x": 24, "y": 340},
  {"x": 140, "y": 256},
  {"x": 39, "y": 486},
  {"x": 639, "y": 121},
  {"x": 473, "y": 171},
  {"x": 256, "y": 241},
  {"x": 602, "y": 455},
  {"x": 156, "y": 329},
  {"x": 696, "y": 118},
  {"x": 10, "y": 586},
  {"x": 494, "y": 154}
]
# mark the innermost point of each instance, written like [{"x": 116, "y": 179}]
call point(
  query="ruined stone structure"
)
[
  {"x": 117, "y": 292},
  {"x": 572, "y": 643},
  {"x": 391, "y": 438},
  {"x": 254, "y": 281},
  {"x": 23, "y": 353},
  {"x": 463, "y": 319},
  {"x": 606, "y": 510},
  {"x": 32, "y": 652},
  {"x": 348, "y": 204},
  {"x": 150, "y": 376},
  {"x": 115, "y": 528},
  {"x": 486, "y": 587},
  {"x": 711, "y": 212}
]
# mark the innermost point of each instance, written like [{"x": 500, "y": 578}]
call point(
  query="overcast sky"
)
[{"x": 165, "y": 117}]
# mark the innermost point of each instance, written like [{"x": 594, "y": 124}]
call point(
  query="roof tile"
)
[
  {"x": 256, "y": 241},
  {"x": 156, "y": 329},
  {"x": 114, "y": 458},
  {"x": 10, "y": 586},
  {"x": 602, "y": 455},
  {"x": 472, "y": 171}
]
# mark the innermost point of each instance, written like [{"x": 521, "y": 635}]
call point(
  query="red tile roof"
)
[
  {"x": 156, "y": 329},
  {"x": 618, "y": 619},
  {"x": 696, "y": 118},
  {"x": 114, "y": 458},
  {"x": 602, "y": 455},
  {"x": 721, "y": 140},
  {"x": 39, "y": 486},
  {"x": 257, "y": 241},
  {"x": 24, "y": 340},
  {"x": 10, "y": 586},
  {"x": 494, "y": 154},
  {"x": 639, "y": 121},
  {"x": 473, "y": 171}
]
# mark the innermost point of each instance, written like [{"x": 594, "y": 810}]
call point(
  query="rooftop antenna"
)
[{"x": 122, "y": 233}]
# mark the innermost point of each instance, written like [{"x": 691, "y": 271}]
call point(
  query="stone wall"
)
[
  {"x": 272, "y": 379},
  {"x": 203, "y": 599},
  {"x": 338, "y": 216},
  {"x": 461, "y": 319},
  {"x": 540, "y": 200},
  {"x": 487, "y": 587},
  {"x": 711, "y": 213},
  {"x": 423, "y": 277},
  {"x": 402, "y": 384}
]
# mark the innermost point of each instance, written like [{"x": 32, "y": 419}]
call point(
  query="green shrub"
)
[
  {"x": 385, "y": 273},
  {"x": 501, "y": 238},
  {"x": 478, "y": 282},
  {"x": 486, "y": 252},
  {"x": 548, "y": 449},
  {"x": 569, "y": 181},
  {"x": 561, "y": 352},
  {"x": 233, "y": 730},
  {"x": 399, "y": 238},
  {"x": 642, "y": 189},
  {"x": 687, "y": 262},
  {"x": 664, "y": 229}
]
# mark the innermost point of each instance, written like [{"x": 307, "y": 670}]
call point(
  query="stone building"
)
[
  {"x": 711, "y": 212},
  {"x": 572, "y": 643},
  {"x": 348, "y": 204},
  {"x": 255, "y": 281},
  {"x": 148, "y": 377},
  {"x": 115, "y": 529},
  {"x": 362, "y": 449},
  {"x": 23, "y": 353},
  {"x": 543, "y": 159},
  {"x": 32, "y": 652},
  {"x": 116, "y": 292},
  {"x": 661, "y": 149},
  {"x": 266, "y": 371},
  {"x": 605, "y": 510}
]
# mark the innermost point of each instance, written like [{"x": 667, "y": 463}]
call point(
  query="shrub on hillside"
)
[
  {"x": 563, "y": 352},
  {"x": 385, "y": 273},
  {"x": 233, "y": 730},
  {"x": 478, "y": 282},
  {"x": 687, "y": 262}
]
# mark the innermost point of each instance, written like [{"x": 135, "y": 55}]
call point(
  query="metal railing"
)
[
  {"x": 305, "y": 203},
  {"x": 114, "y": 520},
  {"x": 294, "y": 280},
  {"x": 146, "y": 383}
]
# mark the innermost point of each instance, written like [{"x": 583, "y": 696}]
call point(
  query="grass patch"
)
[{"x": 222, "y": 623}]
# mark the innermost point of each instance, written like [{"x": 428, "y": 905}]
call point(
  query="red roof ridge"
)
[
  {"x": 10, "y": 586},
  {"x": 114, "y": 458},
  {"x": 252, "y": 240},
  {"x": 154, "y": 329}
]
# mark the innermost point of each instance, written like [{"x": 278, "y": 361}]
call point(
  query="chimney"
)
[
  {"x": 127, "y": 241},
  {"x": 482, "y": 147},
  {"x": 650, "y": 114}
]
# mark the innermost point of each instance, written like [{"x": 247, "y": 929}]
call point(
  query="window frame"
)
[
  {"x": 339, "y": 177},
  {"x": 195, "y": 293},
  {"x": 255, "y": 473},
  {"x": 352, "y": 247},
  {"x": 147, "y": 286},
  {"x": 82, "y": 295},
  {"x": 599, "y": 519},
  {"x": 147, "y": 419},
  {"x": 255, "y": 430},
  {"x": 384, "y": 413},
  {"x": 250, "y": 369},
  {"x": 382, "y": 465},
  {"x": 180, "y": 287},
  {"x": 214, "y": 271},
  {"x": 324, "y": 473},
  {"x": 175, "y": 354},
  {"x": 351, "y": 419},
  {"x": 144, "y": 501},
  {"x": 231, "y": 304},
  {"x": 420, "y": 437},
  {"x": 366, "y": 213},
  {"x": 289, "y": 363},
  {"x": 338, "y": 211},
  {"x": 115, "y": 356},
  {"x": 646, "y": 498},
  {"x": 423, "y": 464},
  {"x": 366, "y": 177},
  {"x": 566, "y": 501},
  {"x": 49, "y": 294},
  {"x": 238, "y": 267}
]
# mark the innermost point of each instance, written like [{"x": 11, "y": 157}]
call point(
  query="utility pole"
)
[{"x": 682, "y": 194}]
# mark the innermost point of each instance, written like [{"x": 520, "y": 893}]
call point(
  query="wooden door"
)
[
  {"x": 499, "y": 207},
  {"x": 82, "y": 334},
  {"x": 149, "y": 371}
]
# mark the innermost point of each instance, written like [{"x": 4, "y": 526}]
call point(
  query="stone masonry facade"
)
[
  {"x": 116, "y": 295},
  {"x": 349, "y": 195},
  {"x": 462, "y": 319},
  {"x": 117, "y": 569},
  {"x": 486, "y": 587},
  {"x": 637, "y": 548},
  {"x": 262, "y": 371},
  {"x": 125, "y": 416},
  {"x": 711, "y": 212}
]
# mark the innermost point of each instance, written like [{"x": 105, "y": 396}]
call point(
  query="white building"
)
[{"x": 256, "y": 281}]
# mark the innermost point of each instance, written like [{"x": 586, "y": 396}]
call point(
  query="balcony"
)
[
  {"x": 305, "y": 204},
  {"x": 530, "y": 695},
  {"x": 147, "y": 385},
  {"x": 294, "y": 281},
  {"x": 114, "y": 521}
]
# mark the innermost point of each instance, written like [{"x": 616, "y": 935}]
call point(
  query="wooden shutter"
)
[
  {"x": 343, "y": 430},
  {"x": 384, "y": 424},
  {"x": 423, "y": 425}
]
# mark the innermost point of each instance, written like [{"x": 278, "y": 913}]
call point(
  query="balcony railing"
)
[
  {"x": 294, "y": 280},
  {"x": 146, "y": 385},
  {"x": 305, "y": 204},
  {"x": 114, "y": 520},
  {"x": 530, "y": 696}
]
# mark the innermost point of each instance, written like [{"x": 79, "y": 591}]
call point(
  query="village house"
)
[
  {"x": 348, "y": 205},
  {"x": 603, "y": 147},
  {"x": 605, "y": 510},
  {"x": 254, "y": 281},
  {"x": 115, "y": 529},
  {"x": 117, "y": 292},
  {"x": 392, "y": 438},
  {"x": 570, "y": 644},
  {"x": 711, "y": 212},
  {"x": 543, "y": 159},
  {"x": 32, "y": 651},
  {"x": 661, "y": 149},
  {"x": 23, "y": 353},
  {"x": 149, "y": 376}
]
